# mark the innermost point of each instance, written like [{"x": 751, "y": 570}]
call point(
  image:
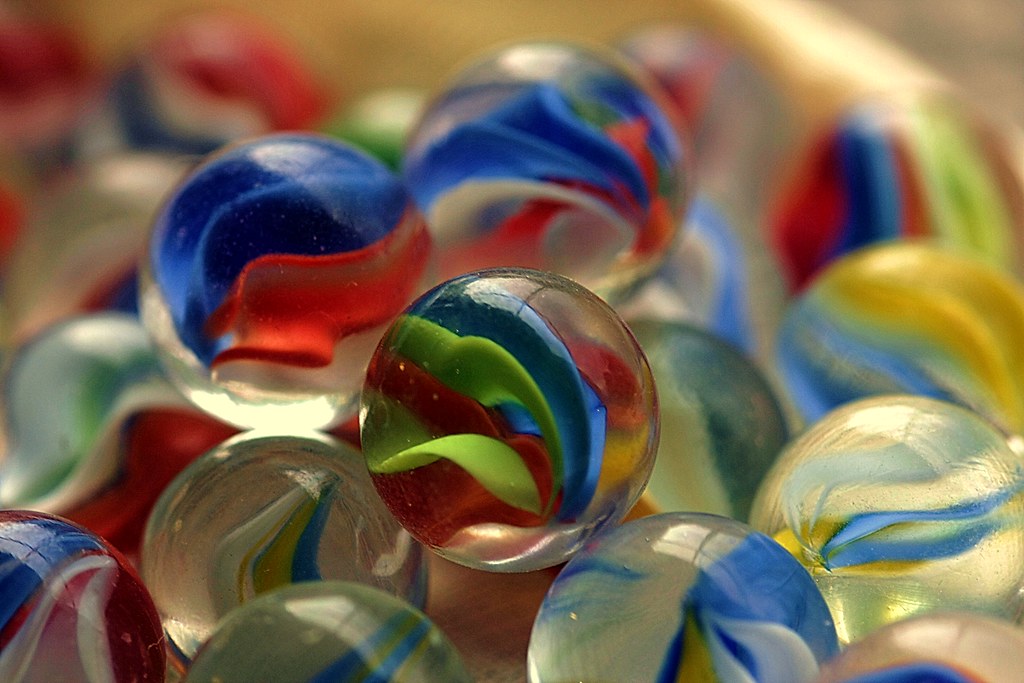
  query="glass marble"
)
[
  {"x": 888, "y": 170},
  {"x": 507, "y": 416},
  {"x": 327, "y": 631},
  {"x": 681, "y": 597},
  {"x": 721, "y": 424},
  {"x": 99, "y": 449},
  {"x": 550, "y": 156},
  {"x": 380, "y": 122},
  {"x": 262, "y": 511},
  {"x": 946, "y": 647},
  {"x": 901, "y": 505},
  {"x": 81, "y": 244},
  {"x": 202, "y": 80},
  {"x": 907, "y": 317},
  {"x": 73, "y": 607},
  {"x": 272, "y": 271}
]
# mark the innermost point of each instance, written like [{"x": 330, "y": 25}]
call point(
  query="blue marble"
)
[{"x": 708, "y": 598}]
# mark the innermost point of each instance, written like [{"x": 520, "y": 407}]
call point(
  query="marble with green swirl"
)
[
  {"x": 507, "y": 415},
  {"x": 901, "y": 505}
]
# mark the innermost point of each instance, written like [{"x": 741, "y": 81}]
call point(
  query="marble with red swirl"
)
[{"x": 272, "y": 271}]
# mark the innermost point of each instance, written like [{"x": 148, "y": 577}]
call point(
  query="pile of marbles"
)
[{"x": 268, "y": 356}]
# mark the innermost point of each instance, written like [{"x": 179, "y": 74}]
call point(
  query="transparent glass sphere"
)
[{"x": 508, "y": 415}]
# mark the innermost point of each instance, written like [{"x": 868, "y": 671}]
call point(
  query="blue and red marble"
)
[
  {"x": 885, "y": 171},
  {"x": 73, "y": 609},
  {"x": 272, "y": 272},
  {"x": 554, "y": 157}
]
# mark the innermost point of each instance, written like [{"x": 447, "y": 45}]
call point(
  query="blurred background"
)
[{"x": 361, "y": 45}]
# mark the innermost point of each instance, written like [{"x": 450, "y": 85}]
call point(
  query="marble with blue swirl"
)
[
  {"x": 272, "y": 271},
  {"x": 71, "y": 607},
  {"x": 327, "y": 631},
  {"x": 550, "y": 156},
  {"x": 901, "y": 505},
  {"x": 681, "y": 597},
  {"x": 263, "y": 511}
]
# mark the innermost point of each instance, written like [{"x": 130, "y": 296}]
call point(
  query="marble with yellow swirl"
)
[
  {"x": 680, "y": 597},
  {"x": 907, "y": 318},
  {"x": 900, "y": 505},
  {"x": 263, "y": 511}
]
